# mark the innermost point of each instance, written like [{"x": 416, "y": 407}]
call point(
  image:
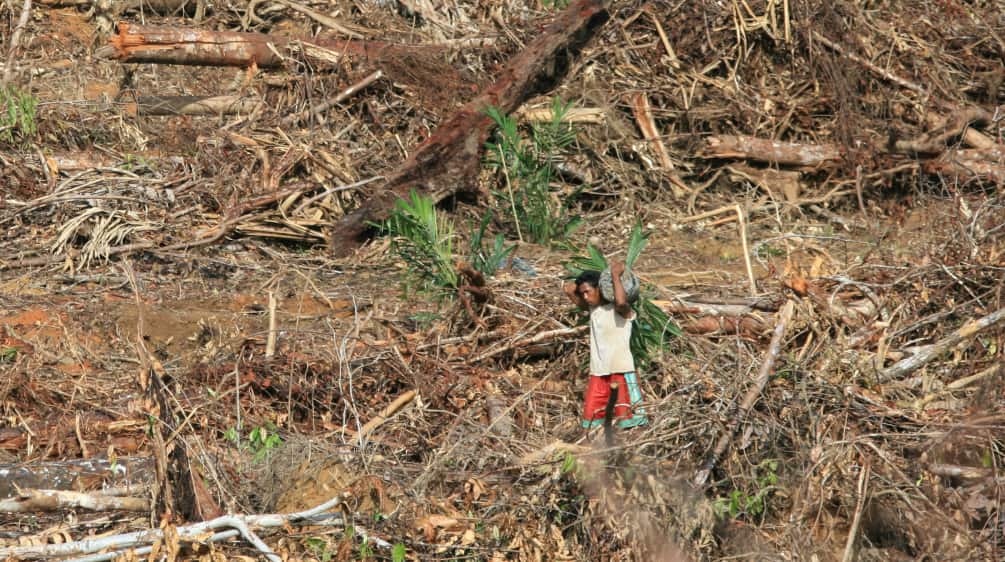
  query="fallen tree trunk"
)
[
  {"x": 52, "y": 500},
  {"x": 171, "y": 45},
  {"x": 79, "y": 475},
  {"x": 771, "y": 151},
  {"x": 448, "y": 161},
  {"x": 135, "y": 43}
]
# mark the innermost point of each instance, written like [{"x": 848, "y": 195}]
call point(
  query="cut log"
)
[
  {"x": 78, "y": 475},
  {"x": 193, "y": 105},
  {"x": 52, "y": 500},
  {"x": 172, "y": 45},
  {"x": 771, "y": 151},
  {"x": 448, "y": 161}
]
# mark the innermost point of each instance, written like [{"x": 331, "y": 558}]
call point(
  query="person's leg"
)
[
  {"x": 598, "y": 389},
  {"x": 622, "y": 409},
  {"x": 634, "y": 399}
]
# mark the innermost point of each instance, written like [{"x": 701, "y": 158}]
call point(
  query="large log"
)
[
  {"x": 77, "y": 475},
  {"x": 771, "y": 151},
  {"x": 448, "y": 161},
  {"x": 135, "y": 43}
]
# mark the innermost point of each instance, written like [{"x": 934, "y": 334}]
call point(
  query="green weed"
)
[
  {"x": 488, "y": 259},
  {"x": 17, "y": 115},
  {"x": 398, "y": 553},
  {"x": 8, "y": 354},
  {"x": 424, "y": 241},
  {"x": 528, "y": 167},
  {"x": 741, "y": 503}
]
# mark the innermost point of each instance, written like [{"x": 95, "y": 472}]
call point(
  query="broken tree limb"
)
[
  {"x": 936, "y": 140},
  {"x": 449, "y": 160},
  {"x": 79, "y": 475},
  {"x": 910, "y": 364},
  {"x": 193, "y": 105},
  {"x": 15, "y": 37},
  {"x": 321, "y": 107},
  {"x": 172, "y": 45},
  {"x": 537, "y": 338},
  {"x": 386, "y": 413},
  {"x": 771, "y": 151},
  {"x": 242, "y": 523},
  {"x": 52, "y": 500},
  {"x": 784, "y": 316}
]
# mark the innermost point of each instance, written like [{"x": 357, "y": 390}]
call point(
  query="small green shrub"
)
[
  {"x": 17, "y": 115},
  {"x": 489, "y": 259},
  {"x": 424, "y": 242},
  {"x": 741, "y": 503},
  {"x": 528, "y": 167}
]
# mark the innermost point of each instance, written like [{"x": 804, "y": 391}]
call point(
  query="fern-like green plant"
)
[
  {"x": 528, "y": 167},
  {"x": 653, "y": 327},
  {"x": 423, "y": 241},
  {"x": 488, "y": 259},
  {"x": 17, "y": 115}
]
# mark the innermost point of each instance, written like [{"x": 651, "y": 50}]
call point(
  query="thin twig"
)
[{"x": 15, "y": 37}]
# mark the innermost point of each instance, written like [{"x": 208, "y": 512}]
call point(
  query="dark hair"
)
[{"x": 590, "y": 277}]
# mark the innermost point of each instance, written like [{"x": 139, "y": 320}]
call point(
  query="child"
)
[{"x": 610, "y": 354}]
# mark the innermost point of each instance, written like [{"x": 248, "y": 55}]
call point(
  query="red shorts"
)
[{"x": 626, "y": 409}]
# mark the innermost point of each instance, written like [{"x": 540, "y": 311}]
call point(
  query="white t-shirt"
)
[{"x": 610, "y": 334}]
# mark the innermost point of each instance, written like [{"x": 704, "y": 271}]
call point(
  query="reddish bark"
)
[{"x": 448, "y": 161}]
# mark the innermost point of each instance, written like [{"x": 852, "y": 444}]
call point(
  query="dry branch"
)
[
  {"x": 386, "y": 413},
  {"x": 51, "y": 500},
  {"x": 910, "y": 364},
  {"x": 15, "y": 38},
  {"x": 449, "y": 160},
  {"x": 242, "y": 523},
  {"x": 771, "y": 151},
  {"x": 195, "y": 105},
  {"x": 784, "y": 316}
]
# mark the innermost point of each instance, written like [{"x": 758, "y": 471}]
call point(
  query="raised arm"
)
[{"x": 621, "y": 305}]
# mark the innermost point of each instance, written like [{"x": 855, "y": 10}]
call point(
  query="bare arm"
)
[
  {"x": 573, "y": 294},
  {"x": 621, "y": 305}
]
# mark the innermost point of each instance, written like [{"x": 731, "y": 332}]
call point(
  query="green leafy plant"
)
[
  {"x": 17, "y": 115},
  {"x": 321, "y": 549},
  {"x": 740, "y": 503},
  {"x": 653, "y": 327},
  {"x": 528, "y": 167},
  {"x": 488, "y": 259},
  {"x": 424, "y": 241},
  {"x": 263, "y": 440},
  {"x": 398, "y": 553},
  {"x": 8, "y": 354}
]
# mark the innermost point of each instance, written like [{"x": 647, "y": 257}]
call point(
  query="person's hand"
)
[
  {"x": 569, "y": 288},
  {"x": 617, "y": 268}
]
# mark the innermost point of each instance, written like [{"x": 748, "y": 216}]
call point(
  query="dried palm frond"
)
[{"x": 103, "y": 229}]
